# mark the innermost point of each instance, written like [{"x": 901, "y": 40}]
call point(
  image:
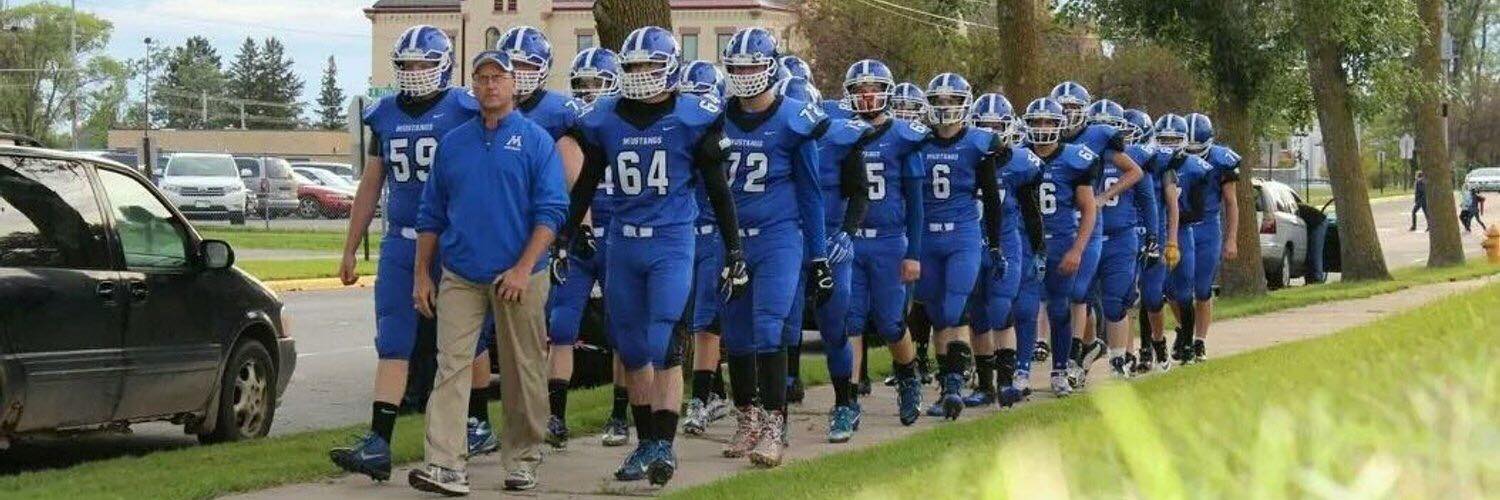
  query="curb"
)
[{"x": 314, "y": 284}]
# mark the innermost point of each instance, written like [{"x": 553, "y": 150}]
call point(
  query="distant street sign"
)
[{"x": 1407, "y": 144}]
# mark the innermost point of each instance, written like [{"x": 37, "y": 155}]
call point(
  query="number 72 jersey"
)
[
  {"x": 650, "y": 174},
  {"x": 407, "y": 145}
]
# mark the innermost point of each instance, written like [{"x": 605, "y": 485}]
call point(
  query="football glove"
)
[
  {"x": 998, "y": 262},
  {"x": 1171, "y": 255},
  {"x": 1039, "y": 262},
  {"x": 1150, "y": 250},
  {"x": 736, "y": 276},
  {"x": 557, "y": 266},
  {"x": 840, "y": 248},
  {"x": 585, "y": 246},
  {"x": 820, "y": 281}
]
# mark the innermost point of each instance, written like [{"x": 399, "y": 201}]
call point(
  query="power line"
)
[
  {"x": 909, "y": 17},
  {"x": 934, "y": 15},
  {"x": 231, "y": 100},
  {"x": 215, "y": 22}
]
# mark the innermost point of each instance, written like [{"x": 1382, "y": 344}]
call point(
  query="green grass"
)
[
  {"x": 274, "y": 270},
  {"x": 1410, "y": 409},
  {"x": 1319, "y": 195},
  {"x": 279, "y": 239}
]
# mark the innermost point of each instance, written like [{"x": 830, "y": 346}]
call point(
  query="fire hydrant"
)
[{"x": 1492, "y": 244}]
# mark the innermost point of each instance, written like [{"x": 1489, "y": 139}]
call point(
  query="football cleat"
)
[
  {"x": 953, "y": 399},
  {"x": 662, "y": 464},
  {"x": 1043, "y": 351},
  {"x": 979, "y": 398},
  {"x": 482, "y": 440},
  {"x": 795, "y": 393},
  {"x": 746, "y": 432},
  {"x": 1182, "y": 346},
  {"x": 370, "y": 455},
  {"x": 842, "y": 423},
  {"x": 924, "y": 370},
  {"x": 1200, "y": 352},
  {"x": 1060, "y": 385},
  {"x": 864, "y": 387},
  {"x": 616, "y": 432},
  {"x": 634, "y": 468},
  {"x": 1092, "y": 353},
  {"x": 890, "y": 381},
  {"x": 557, "y": 432},
  {"x": 909, "y": 399},
  {"x": 1022, "y": 382},
  {"x": 716, "y": 408},
  {"x": 1145, "y": 362},
  {"x": 695, "y": 419},
  {"x": 1121, "y": 367},
  {"x": 1076, "y": 375},
  {"x": 1159, "y": 348},
  {"x": 769, "y": 445}
]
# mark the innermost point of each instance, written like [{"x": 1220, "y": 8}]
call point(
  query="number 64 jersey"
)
[
  {"x": 648, "y": 154},
  {"x": 407, "y": 136}
]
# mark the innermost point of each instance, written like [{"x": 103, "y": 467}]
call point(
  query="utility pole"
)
[
  {"x": 203, "y": 112},
  {"x": 147, "y": 131},
  {"x": 73, "y": 65}
]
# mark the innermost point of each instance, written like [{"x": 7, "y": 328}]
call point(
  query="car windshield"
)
[
  {"x": 1485, "y": 172},
  {"x": 201, "y": 166}
]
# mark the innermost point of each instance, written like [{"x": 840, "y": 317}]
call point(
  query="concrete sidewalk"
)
[{"x": 585, "y": 469}]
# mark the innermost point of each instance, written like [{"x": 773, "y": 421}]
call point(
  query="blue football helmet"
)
[
  {"x": 595, "y": 72},
  {"x": 1045, "y": 120},
  {"x": 527, "y": 46},
  {"x": 994, "y": 113},
  {"x": 948, "y": 99},
  {"x": 796, "y": 67},
  {"x": 1171, "y": 132},
  {"x": 908, "y": 102},
  {"x": 797, "y": 88},
  {"x": 701, "y": 78},
  {"x": 648, "y": 63},
  {"x": 422, "y": 43},
  {"x": 750, "y": 60},
  {"x": 1200, "y": 133},
  {"x": 1075, "y": 101},
  {"x": 1137, "y": 126},
  {"x": 868, "y": 72},
  {"x": 1107, "y": 112}
]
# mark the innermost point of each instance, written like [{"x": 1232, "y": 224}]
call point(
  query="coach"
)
[{"x": 493, "y": 201}]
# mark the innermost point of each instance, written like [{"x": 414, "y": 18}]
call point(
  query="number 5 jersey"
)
[{"x": 405, "y": 134}]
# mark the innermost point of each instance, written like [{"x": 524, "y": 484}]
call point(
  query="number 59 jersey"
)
[
  {"x": 649, "y": 159},
  {"x": 407, "y": 143}
]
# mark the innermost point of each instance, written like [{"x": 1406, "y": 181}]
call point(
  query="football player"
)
[
  {"x": 702, "y": 79},
  {"x": 773, "y": 158},
  {"x": 959, "y": 162},
  {"x": 1127, "y": 240},
  {"x": 658, "y": 144},
  {"x": 595, "y": 73},
  {"x": 1069, "y": 214},
  {"x": 1192, "y": 174},
  {"x": 406, "y": 128},
  {"x": 1161, "y": 173},
  {"x": 908, "y": 102},
  {"x": 1008, "y": 305},
  {"x": 1214, "y": 239},
  {"x": 889, "y": 241}
]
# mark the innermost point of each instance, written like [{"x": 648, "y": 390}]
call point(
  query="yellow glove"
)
[{"x": 1172, "y": 255}]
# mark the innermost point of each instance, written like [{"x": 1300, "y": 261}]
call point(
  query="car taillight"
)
[{"x": 1268, "y": 226}]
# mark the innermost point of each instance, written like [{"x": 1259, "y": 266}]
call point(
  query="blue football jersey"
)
[
  {"x": 1097, "y": 137},
  {"x": 1069, "y": 166},
  {"x": 894, "y": 154},
  {"x": 837, "y": 109},
  {"x": 763, "y": 151},
  {"x": 1121, "y": 211},
  {"x": 1023, "y": 169},
  {"x": 553, "y": 111},
  {"x": 952, "y": 165},
  {"x": 836, "y": 143},
  {"x": 1193, "y": 175},
  {"x": 650, "y": 168},
  {"x": 407, "y": 145},
  {"x": 1225, "y": 164}
]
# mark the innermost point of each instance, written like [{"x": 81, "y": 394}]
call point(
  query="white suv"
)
[
  {"x": 1283, "y": 235},
  {"x": 204, "y": 184}
]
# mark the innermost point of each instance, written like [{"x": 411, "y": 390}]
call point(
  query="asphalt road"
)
[{"x": 332, "y": 385}]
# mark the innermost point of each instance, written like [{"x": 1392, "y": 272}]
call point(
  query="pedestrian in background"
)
[
  {"x": 1473, "y": 207},
  {"x": 1419, "y": 201},
  {"x": 493, "y": 202}
]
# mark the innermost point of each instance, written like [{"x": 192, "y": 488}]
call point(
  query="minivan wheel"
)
[
  {"x": 309, "y": 208},
  {"x": 247, "y": 400}
]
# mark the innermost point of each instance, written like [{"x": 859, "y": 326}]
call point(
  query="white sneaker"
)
[
  {"x": 1061, "y": 387},
  {"x": 440, "y": 480}
]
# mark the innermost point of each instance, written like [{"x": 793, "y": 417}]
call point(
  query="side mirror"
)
[
  {"x": 216, "y": 254},
  {"x": 245, "y": 172}
]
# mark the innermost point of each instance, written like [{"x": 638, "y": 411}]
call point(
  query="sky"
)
[{"x": 312, "y": 30}]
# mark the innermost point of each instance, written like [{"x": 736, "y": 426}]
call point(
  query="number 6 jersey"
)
[
  {"x": 648, "y": 154},
  {"x": 405, "y": 137}
]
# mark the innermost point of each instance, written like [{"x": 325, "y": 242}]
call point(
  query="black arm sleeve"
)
[
  {"x": 709, "y": 159},
  {"x": 989, "y": 196},
  {"x": 582, "y": 194},
  {"x": 1230, "y": 175},
  {"x": 855, "y": 188},
  {"x": 373, "y": 149},
  {"x": 1117, "y": 141},
  {"x": 1031, "y": 216}
]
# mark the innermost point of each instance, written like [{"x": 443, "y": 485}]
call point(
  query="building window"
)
[
  {"x": 723, "y": 39},
  {"x": 690, "y": 46},
  {"x": 491, "y": 37},
  {"x": 585, "y": 41},
  {"x": 505, "y": 5}
]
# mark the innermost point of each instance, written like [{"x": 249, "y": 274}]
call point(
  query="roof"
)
[{"x": 575, "y": 5}]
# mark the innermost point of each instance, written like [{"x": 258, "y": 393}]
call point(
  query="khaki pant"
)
[{"x": 521, "y": 339}]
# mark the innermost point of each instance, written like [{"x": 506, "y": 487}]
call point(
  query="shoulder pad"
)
[
  {"x": 983, "y": 140},
  {"x": 1223, "y": 156},
  {"x": 697, "y": 112},
  {"x": 803, "y": 117},
  {"x": 374, "y": 109},
  {"x": 912, "y": 132},
  {"x": 465, "y": 100},
  {"x": 842, "y": 132},
  {"x": 1078, "y": 157},
  {"x": 1019, "y": 152}
]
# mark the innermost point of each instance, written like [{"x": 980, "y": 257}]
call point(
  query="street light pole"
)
[
  {"x": 147, "y": 118},
  {"x": 73, "y": 64}
]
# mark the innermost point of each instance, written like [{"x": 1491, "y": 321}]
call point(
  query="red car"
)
[{"x": 319, "y": 198}]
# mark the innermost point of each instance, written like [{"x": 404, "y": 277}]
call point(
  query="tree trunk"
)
[
  {"x": 1444, "y": 246},
  {"x": 615, "y": 19},
  {"x": 1359, "y": 244},
  {"x": 1021, "y": 26},
  {"x": 1245, "y": 275}
]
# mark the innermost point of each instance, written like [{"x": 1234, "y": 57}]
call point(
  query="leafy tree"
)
[
  {"x": 262, "y": 81},
  {"x": 38, "y": 94},
  {"x": 187, "y": 95},
  {"x": 331, "y": 99}
]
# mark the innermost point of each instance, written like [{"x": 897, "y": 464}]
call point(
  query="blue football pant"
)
[
  {"x": 1065, "y": 290},
  {"x": 876, "y": 294},
  {"x": 1208, "y": 244},
  {"x": 396, "y": 320},
  {"x": 1180, "y": 279},
  {"x": 830, "y": 320},
  {"x": 950, "y": 267},
  {"x": 1118, "y": 260},
  {"x": 1154, "y": 281},
  {"x": 708, "y": 264},
  {"x": 1028, "y": 304},
  {"x": 753, "y": 322},
  {"x": 1000, "y": 295},
  {"x": 650, "y": 280},
  {"x": 565, "y": 306}
]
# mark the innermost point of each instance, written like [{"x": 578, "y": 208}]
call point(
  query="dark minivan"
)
[{"x": 113, "y": 310}]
